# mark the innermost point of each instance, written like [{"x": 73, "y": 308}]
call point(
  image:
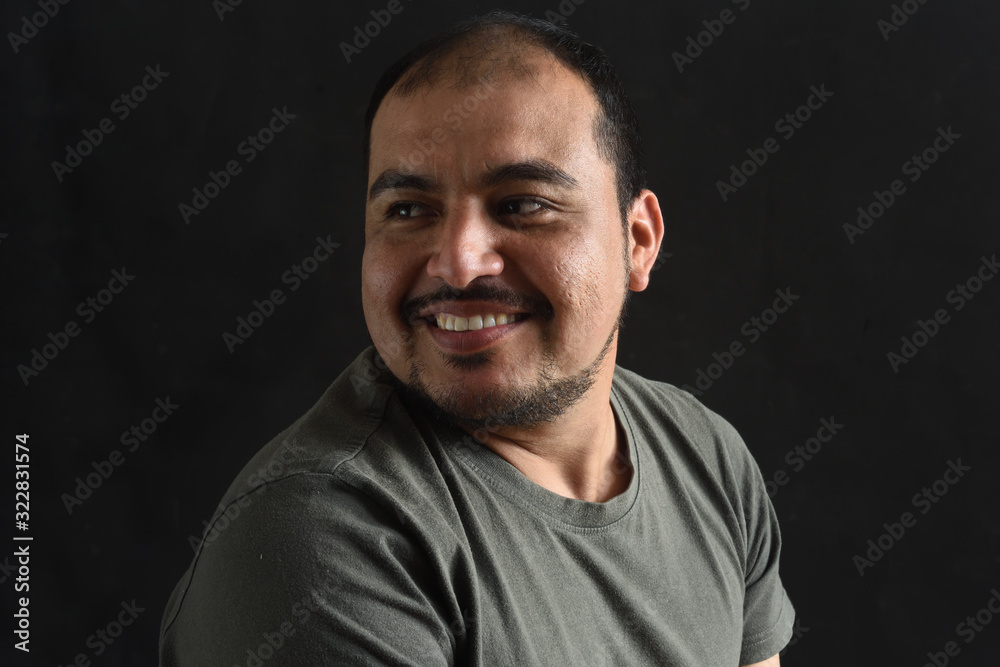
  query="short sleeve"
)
[
  {"x": 307, "y": 571},
  {"x": 767, "y": 612}
]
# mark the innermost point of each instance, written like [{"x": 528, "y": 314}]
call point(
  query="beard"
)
[{"x": 523, "y": 407}]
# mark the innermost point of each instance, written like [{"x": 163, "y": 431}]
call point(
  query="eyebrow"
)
[
  {"x": 528, "y": 170},
  {"x": 393, "y": 179},
  {"x": 540, "y": 171}
]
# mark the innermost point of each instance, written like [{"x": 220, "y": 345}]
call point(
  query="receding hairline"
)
[
  {"x": 499, "y": 45},
  {"x": 489, "y": 55}
]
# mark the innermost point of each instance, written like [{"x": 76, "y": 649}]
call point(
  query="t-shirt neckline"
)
[{"x": 552, "y": 507}]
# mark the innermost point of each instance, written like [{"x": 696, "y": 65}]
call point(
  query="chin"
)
[{"x": 469, "y": 400}]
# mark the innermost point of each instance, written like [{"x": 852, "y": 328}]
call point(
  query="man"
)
[{"x": 485, "y": 486}]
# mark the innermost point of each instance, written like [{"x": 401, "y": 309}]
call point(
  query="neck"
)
[{"x": 581, "y": 455}]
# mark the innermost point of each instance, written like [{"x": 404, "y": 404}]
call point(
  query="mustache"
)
[{"x": 504, "y": 296}]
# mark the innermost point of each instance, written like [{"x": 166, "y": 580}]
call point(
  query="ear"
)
[{"x": 645, "y": 231}]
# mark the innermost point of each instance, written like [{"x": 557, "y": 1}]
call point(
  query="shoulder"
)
[
  {"x": 302, "y": 556},
  {"x": 354, "y": 432},
  {"x": 687, "y": 435},
  {"x": 657, "y": 406},
  {"x": 357, "y": 445},
  {"x": 321, "y": 506}
]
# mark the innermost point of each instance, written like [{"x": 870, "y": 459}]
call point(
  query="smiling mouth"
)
[{"x": 449, "y": 322}]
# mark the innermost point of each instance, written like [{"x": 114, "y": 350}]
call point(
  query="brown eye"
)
[
  {"x": 521, "y": 207},
  {"x": 407, "y": 210}
]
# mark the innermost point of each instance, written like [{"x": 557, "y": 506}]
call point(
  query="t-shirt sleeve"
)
[
  {"x": 307, "y": 571},
  {"x": 767, "y": 612}
]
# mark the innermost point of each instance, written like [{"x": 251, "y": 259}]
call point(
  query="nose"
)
[{"x": 465, "y": 249}]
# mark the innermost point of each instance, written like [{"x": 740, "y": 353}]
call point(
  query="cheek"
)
[
  {"x": 584, "y": 290},
  {"x": 388, "y": 271},
  {"x": 384, "y": 278},
  {"x": 377, "y": 280},
  {"x": 572, "y": 276}
]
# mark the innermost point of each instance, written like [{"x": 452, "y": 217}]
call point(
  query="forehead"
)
[{"x": 546, "y": 111}]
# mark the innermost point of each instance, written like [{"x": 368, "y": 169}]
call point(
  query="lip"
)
[{"x": 469, "y": 342}]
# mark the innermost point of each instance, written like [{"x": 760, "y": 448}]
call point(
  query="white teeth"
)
[{"x": 474, "y": 323}]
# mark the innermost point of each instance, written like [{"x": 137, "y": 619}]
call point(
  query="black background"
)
[{"x": 722, "y": 262}]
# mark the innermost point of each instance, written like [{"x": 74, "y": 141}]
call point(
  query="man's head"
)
[
  {"x": 490, "y": 47},
  {"x": 504, "y": 182}
]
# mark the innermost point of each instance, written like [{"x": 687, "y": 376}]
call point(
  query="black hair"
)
[{"x": 616, "y": 129}]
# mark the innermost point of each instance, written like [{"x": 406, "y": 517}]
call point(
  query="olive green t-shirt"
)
[{"x": 369, "y": 534}]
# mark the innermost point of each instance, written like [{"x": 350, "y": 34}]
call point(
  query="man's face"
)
[{"x": 491, "y": 202}]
